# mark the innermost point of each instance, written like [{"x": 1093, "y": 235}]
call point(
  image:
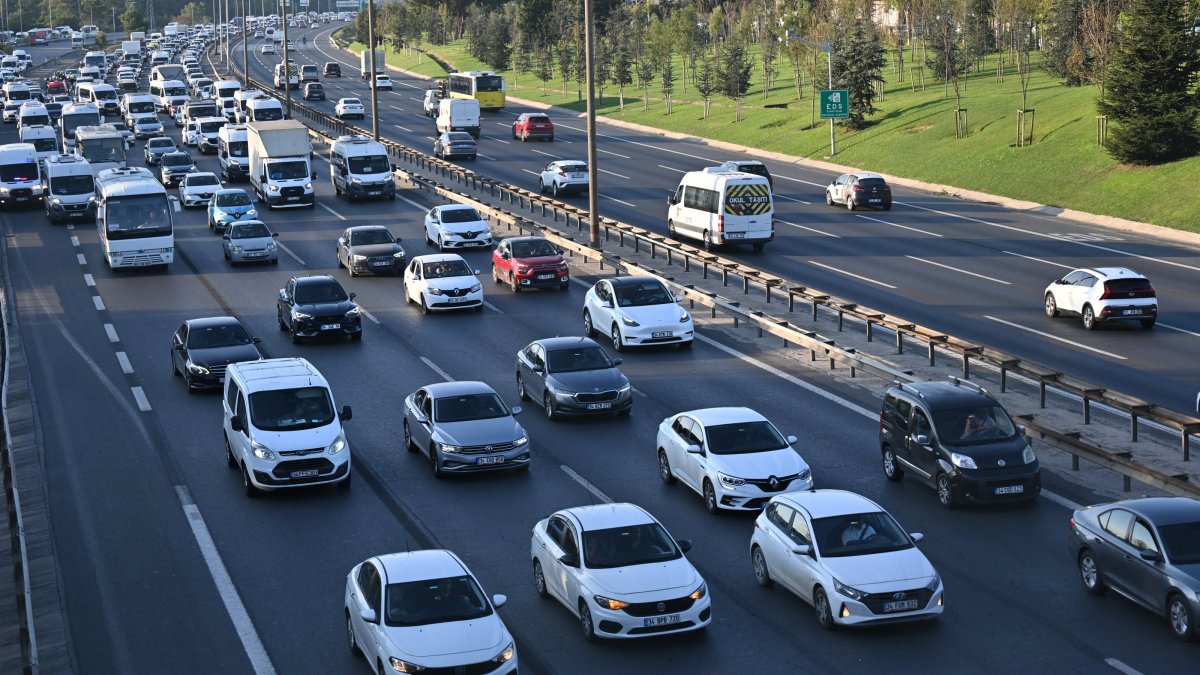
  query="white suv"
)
[
  {"x": 1103, "y": 294},
  {"x": 636, "y": 311}
]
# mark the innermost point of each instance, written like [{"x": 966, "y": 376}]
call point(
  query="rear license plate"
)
[
  {"x": 661, "y": 620},
  {"x": 599, "y": 406},
  {"x": 662, "y": 334},
  {"x": 545, "y": 276},
  {"x": 489, "y": 460},
  {"x": 1131, "y": 312},
  {"x": 874, "y": 201},
  {"x": 1010, "y": 490},
  {"x": 307, "y": 473},
  {"x": 380, "y": 263},
  {"x": 734, "y": 235},
  {"x": 899, "y": 606},
  {"x": 330, "y": 326}
]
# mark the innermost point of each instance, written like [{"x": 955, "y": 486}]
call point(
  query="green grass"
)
[{"x": 912, "y": 135}]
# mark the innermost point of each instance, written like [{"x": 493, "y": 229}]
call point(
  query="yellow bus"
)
[{"x": 485, "y": 86}]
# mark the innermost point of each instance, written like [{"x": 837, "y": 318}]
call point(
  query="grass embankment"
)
[{"x": 912, "y": 135}]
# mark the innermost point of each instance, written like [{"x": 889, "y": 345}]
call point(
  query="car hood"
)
[
  {"x": 589, "y": 381},
  {"x": 461, "y": 228},
  {"x": 221, "y": 356},
  {"x": 451, "y": 637},
  {"x": 778, "y": 463},
  {"x": 201, "y": 189},
  {"x": 1191, "y": 575},
  {"x": 375, "y": 249},
  {"x": 540, "y": 261},
  {"x": 300, "y": 439},
  {"x": 989, "y": 454},
  {"x": 863, "y": 571},
  {"x": 326, "y": 308},
  {"x": 649, "y": 578},
  {"x": 652, "y": 314},
  {"x": 448, "y": 283},
  {"x": 480, "y": 432},
  {"x": 252, "y": 242},
  {"x": 233, "y": 211}
]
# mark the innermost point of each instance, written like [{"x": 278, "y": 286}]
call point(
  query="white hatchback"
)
[
  {"x": 733, "y": 457},
  {"x": 349, "y": 107},
  {"x": 196, "y": 189},
  {"x": 442, "y": 282},
  {"x": 563, "y": 175},
  {"x": 1102, "y": 294},
  {"x": 636, "y": 311},
  {"x": 456, "y": 226}
]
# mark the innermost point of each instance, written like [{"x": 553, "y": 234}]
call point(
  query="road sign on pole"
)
[{"x": 835, "y": 104}]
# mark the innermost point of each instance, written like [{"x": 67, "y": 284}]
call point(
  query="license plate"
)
[
  {"x": 734, "y": 235},
  {"x": 456, "y": 300},
  {"x": 141, "y": 264},
  {"x": 899, "y": 606},
  {"x": 307, "y": 473},
  {"x": 293, "y": 199},
  {"x": 578, "y": 176},
  {"x": 662, "y": 334},
  {"x": 22, "y": 199},
  {"x": 382, "y": 263},
  {"x": 545, "y": 276},
  {"x": 661, "y": 620},
  {"x": 373, "y": 193},
  {"x": 330, "y": 326},
  {"x": 874, "y": 201},
  {"x": 1131, "y": 312},
  {"x": 489, "y": 460},
  {"x": 599, "y": 406},
  {"x": 1010, "y": 490}
]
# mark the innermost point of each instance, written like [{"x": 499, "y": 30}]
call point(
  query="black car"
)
[
  {"x": 314, "y": 91},
  {"x": 957, "y": 438},
  {"x": 202, "y": 348},
  {"x": 370, "y": 249},
  {"x": 175, "y": 165},
  {"x": 859, "y": 190},
  {"x": 316, "y": 306},
  {"x": 572, "y": 376},
  {"x": 332, "y": 69}
]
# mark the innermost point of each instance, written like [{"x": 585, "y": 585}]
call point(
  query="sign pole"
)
[
  {"x": 828, "y": 49},
  {"x": 832, "y": 133}
]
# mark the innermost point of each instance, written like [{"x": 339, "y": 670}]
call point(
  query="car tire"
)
[
  {"x": 353, "y": 641},
  {"x": 588, "y": 329},
  {"x": 1089, "y": 573},
  {"x": 436, "y": 464},
  {"x": 758, "y": 561},
  {"x": 229, "y": 459},
  {"x": 425, "y": 307},
  {"x": 615, "y": 334},
  {"x": 248, "y": 487},
  {"x": 709, "y": 245},
  {"x": 828, "y": 198},
  {"x": 541, "y": 187},
  {"x": 849, "y": 203},
  {"x": 671, "y": 229},
  {"x": 822, "y": 609},
  {"x": 891, "y": 465},
  {"x": 664, "y": 468},
  {"x": 554, "y": 189},
  {"x": 548, "y": 406},
  {"x": 585, "y": 622},
  {"x": 1089, "y": 318},
  {"x": 684, "y": 346},
  {"x": 945, "y": 491},
  {"x": 1147, "y": 324},
  {"x": 356, "y": 337},
  {"x": 512, "y": 282},
  {"x": 279, "y": 318},
  {"x": 295, "y": 337},
  {"x": 1051, "y": 306},
  {"x": 496, "y": 276},
  {"x": 1180, "y": 616},
  {"x": 521, "y": 393},
  {"x": 710, "y": 498},
  {"x": 539, "y": 580}
]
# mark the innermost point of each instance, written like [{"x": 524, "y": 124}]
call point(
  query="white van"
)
[
  {"x": 32, "y": 114},
  {"x": 263, "y": 110},
  {"x": 226, "y": 88},
  {"x": 102, "y": 94},
  {"x": 16, "y": 92},
  {"x": 133, "y": 105},
  {"x": 281, "y": 426},
  {"x": 361, "y": 168},
  {"x": 458, "y": 114},
  {"x": 42, "y": 137},
  {"x": 232, "y": 152},
  {"x": 20, "y": 176},
  {"x": 168, "y": 92},
  {"x": 70, "y": 189},
  {"x": 241, "y": 99},
  {"x": 720, "y": 207}
]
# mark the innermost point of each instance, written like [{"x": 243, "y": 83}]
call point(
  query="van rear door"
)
[{"x": 747, "y": 209}]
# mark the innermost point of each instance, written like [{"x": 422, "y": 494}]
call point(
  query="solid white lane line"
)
[
  {"x": 671, "y": 168},
  {"x": 532, "y": 173},
  {"x": 87, "y": 279},
  {"x": 563, "y": 140},
  {"x": 492, "y": 307},
  {"x": 1061, "y": 501},
  {"x": 404, "y": 128},
  {"x": 80, "y": 259},
  {"x": 335, "y": 213},
  {"x": 70, "y": 226},
  {"x": 1055, "y": 337},
  {"x": 810, "y": 229},
  {"x": 613, "y": 173},
  {"x": 851, "y": 274},
  {"x": 791, "y": 199},
  {"x": 75, "y": 241},
  {"x": 396, "y": 107},
  {"x": 434, "y": 367},
  {"x": 143, "y": 403},
  {"x": 903, "y": 227},
  {"x": 620, "y": 201},
  {"x": 368, "y": 315},
  {"x": 506, "y": 125},
  {"x": 1117, "y": 665},
  {"x": 111, "y": 331},
  {"x": 955, "y": 269},
  {"x": 1047, "y": 262},
  {"x": 498, "y": 140},
  {"x": 242, "y": 624},
  {"x": 126, "y": 366},
  {"x": 586, "y": 485},
  {"x": 289, "y": 251},
  {"x": 1176, "y": 328},
  {"x": 98, "y": 302}
]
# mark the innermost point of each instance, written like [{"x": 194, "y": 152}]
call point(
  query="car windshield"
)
[
  {"x": 642, "y": 293},
  {"x": 445, "y": 268},
  {"x": 137, "y": 216},
  {"x": 194, "y": 181},
  {"x": 249, "y": 231},
  {"x": 419, "y": 603},
  {"x": 211, "y": 127},
  {"x": 291, "y": 409},
  {"x": 72, "y": 185},
  {"x": 233, "y": 199},
  {"x": 307, "y": 294},
  {"x": 1182, "y": 542},
  {"x": 288, "y": 170},
  {"x": 628, "y": 545},
  {"x": 469, "y": 407},
  {"x": 372, "y": 236},
  {"x": 146, "y": 120},
  {"x": 44, "y": 145},
  {"x": 369, "y": 164},
  {"x": 238, "y": 148},
  {"x": 859, "y": 534},
  {"x": 22, "y": 171},
  {"x": 537, "y": 248},
  {"x": 977, "y": 424},
  {"x": 162, "y": 144},
  {"x": 177, "y": 160},
  {"x": 227, "y": 335},
  {"x": 464, "y": 215},
  {"x": 575, "y": 360},
  {"x": 741, "y": 438}
]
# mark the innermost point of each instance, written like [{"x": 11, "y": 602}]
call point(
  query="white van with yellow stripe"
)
[{"x": 720, "y": 207}]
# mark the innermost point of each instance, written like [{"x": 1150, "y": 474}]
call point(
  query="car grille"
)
[
  {"x": 485, "y": 449},
  {"x": 219, "y": 371},
  {"x": 596, "y": 397},
  {"x": 326, "y": 320},
  {"x": 284, "y": 469},
  {"x": 22, "y": 192},
  {"x": 202, "y": 195},
  {"x": 660, "y": 607},
  {"x": 480, "y": 668},
  {"x": 292, "y": 191},
  {"x": 874, "y": 601},
  {"x": 455, "y": 292},
  {"x": 74, "y": 207},
  {"x": 143, "y": 259},
  {"x": 782, "y": 483},
  {"x": 301, "y": 453}
]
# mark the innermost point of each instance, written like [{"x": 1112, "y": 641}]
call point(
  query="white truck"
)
[
  {"x": 364, "y": 63},
  {"x": 132, "y": 49},
  {"x": 281, "y": 163}
]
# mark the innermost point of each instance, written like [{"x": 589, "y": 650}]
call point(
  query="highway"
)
[{"x": 168, "y": 567}]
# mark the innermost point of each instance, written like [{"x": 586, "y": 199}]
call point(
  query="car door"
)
[
  {"x": 804, "y": 569},
  {"x": 343, "y": 245},
  {"x": 570, "y": 576},
  {"x": 535, "y": 377},
  {"x": 413, "y": 283},
  {"x": 675, "y": 445},
  {"x": 362, "y": 597},
  {"x": 776, "y": 547},
  {"x": 1081, "y": 292},
  {"x": 239, "y": 441},
  {"x": 178, "y": 348},
  {"x": 695, "y": 468},
  {"x": 923, "y": 458},
  {"x": 432, "y": 224},
  {"x": 551, "y": 543},
  {"x": 1065, "y": 292},
  {"x": 1113, "y": 547},
  {"x": 602, "y": 309},
  {"x": 420, "y": 423},
  {"x": 1145, "y": 579},
  {"x": 501, "y": 260}
]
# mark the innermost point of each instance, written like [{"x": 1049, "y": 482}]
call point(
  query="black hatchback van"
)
[
  {"x": 332, "y": 69},
  {"x": 957, "y": 438}
]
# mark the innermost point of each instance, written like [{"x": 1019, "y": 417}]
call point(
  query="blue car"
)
[{"x": 229, "y": 206}]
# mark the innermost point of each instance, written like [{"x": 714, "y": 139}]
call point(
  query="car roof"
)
[
  {"x": 629, "y": 281},
  {"x": 825, "y": 503},
  {"x": 557, "y": 343},
  {"x": 866, "y": 174},
  {"x": 210, "y": 321},
  {"x": 453, "y": 207},
  {"x": 1161, "y": 511},
  {"x": 314, "y": 279},
  {"x": 727, "y": 415},
  {"x": 206, "y": 174},
  {"x": 938, "y": 394},
  {"x": 604, "y": 516},
  {"x": 458, "y": 388},
  {"x": 367, "y": 228},
  {"x": 420, "y": 565},
  {"x": 439, "y": 257},
  {"x": 230, "y": 191},
  {"x": 1114, "y": 272}
]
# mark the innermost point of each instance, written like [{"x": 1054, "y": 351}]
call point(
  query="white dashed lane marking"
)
[
  {"x": 98, "y": 302},
  {"x": 111, "y": 331},
  {"x": 126, "y": 366}
]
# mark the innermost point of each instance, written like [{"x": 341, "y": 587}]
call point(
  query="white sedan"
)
[
  {"x": 733, "y": 457},
  {"x": 636, "y": 311},
  {"x": 456, "y": 226},
  {"x": 349, "y": 107},
  {"x": 196, "y": 189},
  {"x": 619, "y": 572},
  {"x": 408, "y": 612},
  {"x": 266, "y": 49},
  {"x": 562, "y": 176},
  {"x": 847, "y": 557},
  {"x": 442, "y": 282}
]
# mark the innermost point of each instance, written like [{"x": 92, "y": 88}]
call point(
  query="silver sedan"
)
[{"x": 464, "y": 427}]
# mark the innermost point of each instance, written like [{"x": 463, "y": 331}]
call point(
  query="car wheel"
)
[
  {"x": 229, "y": 455},
  {"x": 891, "y": 466},
  {"x": 945, "y": 493},
  {"x": 521, "y": 393},
  {"x": 761, "y": 574},
  {"x": 821, "y": 609},
  {"x": 1147, "y": 324},
  {"x": 616, "y": 339},
  {"x": 1181, "y": 618},
  {"x": 710, "y": 498},
  {"x": 436, "y": 464},
  {"x": 248, "y": 487},
  {"x": 541, "y": 187},
  {"x": 1051, "y": 306},
  {"x": 683, "y": 346},
  {"x": 350, "y": 635},
  {"x": 539, "y": 580},
  {"x": 548, "y": 404},
  {"x": 664, "y": 468},
  {"x": 424, "y": 306},
  {"x": 512, "y": 282},
  {"x": 1089, "y": 318},
  {"x": 588, "y": 329},
  {"x": 554, "y": 189},
  {"x": 1089, "y": 573},
  {"x": 758, "y": 248},
  {"x": 295, "y": 337},
  {"x": 356, "y": 337},
  {"x": 671, "y": 229},
  {"x": 279, "y": 318},
  {"x": 849, "y": 203},
  {"x": 585, "y": 622},
  {"x": 709, "y": 245},
  {"x": 828, "y": 198},
  {"x": 496, "y": 276}
]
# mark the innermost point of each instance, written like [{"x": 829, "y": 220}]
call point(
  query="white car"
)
[
  {"x": 196, "y": 189},
  {"x": 267, "y": 49},
  {"x": 847, "y": 557},
  {"x": 441, "y": 282},
  {"x": 456, "y": 226},
  {"x": 408, "y": 612},
  {"x": 349, "y": 107},
  {"x": 258, "y": 34},
  {"x": 383, "y": 82},
  {"x": 561, "y": 176},
  {"x": 1102, "y": 294},
  {"x": 191, "y": 134},
  {"x": 619, "y": 572},
  {"x": 636, "y": 311},
  {"x": 733, "y": 457}
]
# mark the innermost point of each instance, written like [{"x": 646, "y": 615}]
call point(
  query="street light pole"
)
[
  {"x": 828, "y": 49},
  {"x": 371, "y": 51},
  {"x": 593, "y": 172},
  {"x": 287, "y": 76},
  {"x": 245, "y": 46}
]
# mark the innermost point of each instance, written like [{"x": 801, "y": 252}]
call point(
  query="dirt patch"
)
[{"x": 918, "y": 128}]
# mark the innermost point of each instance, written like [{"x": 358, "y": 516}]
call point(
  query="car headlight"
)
[
  {"x": 356, "y": 180},
  {"x": 252, "y": 213},
  {"x": 446, "y": 447},
  {"x": 629, "y": 322},
  {"x": 934, "y": 583},
  {"x": 962, "y": 461},
  {"x": 273, "y": 188},
  {"x": 730, "y": 481},
  {"x": 3, "y": 190},
  {"x": 434, "y": 291},
  {"x": 521, "y": 269},
  {"x": 261, "y": 451},
  {"x": 399, "y": 254},
  {"x": 56, "y": 200},
  {"x": 401, "y": 666},
  {"x": 684, "y": 317},
  {"x": 476, "y": 288},
  {"x": 625, "y": 389},
  {"x": 197, "y": 369},
  {"x": 300, "y": 315},
  {"x": 609, "y": 603},
  {"x": 700, "y": 592},
  {"x": 37, "y": 189},
  {"x": 1028, "y": 455},
  {"x": 561, "y": 393},
  {"x": 238, "y": 248},
  {"x": 521, "y": 441},
  {"x": 505, "y": 655},
  {"x": 848, "y": 591},
  {"x": 308, "y": 186},
  {"x": 353, "y": 312},
  {"x": 562, "y": 266},
  {"x": 338, "y": 445},
  {"x": 359, "y": 258},
  {"x": 805, "y": 475},
  {"x": 271, "y": 246}
]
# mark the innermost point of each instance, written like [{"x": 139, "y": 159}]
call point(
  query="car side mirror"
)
[
  {"x": 226, "y": 237},
  {"x": 921, "y": 439},
  {"x": 353, "y": 296},
  {"x": 477, "y": 273},
  {"x": 314, "y": 175},
  {"x": 569, "y": 559},
  {"x": 274, "y": 235},
  {"x": 685, "y": 545},
  {"x": 236, "y": 423},
  {"x": 791, "y": 440},
  {"x": 538, "y": 369},
  {"x": 678, "y": 298},
  {"x": 395, "y": 167},
  {"x": 607, "y": 304},
  {"x": 498, "y": 600},
  {"x": 505, "y": 255},
  {"x": 516, "y": 410},
  {"x": 174, "y": 204},
  {"x": 618, "y": 361},
  {"x": 802, "y": 549},
  {"x": 283, "y": 294},
  {"x": 347, "y": 414},
  {"x": 1148, "y": 555},
  {"x": 256, "y": 340},
  {"x": 671, "y": 199},
  {"x": 694, "y": 449},
  {"x": 369, "y": 615}
]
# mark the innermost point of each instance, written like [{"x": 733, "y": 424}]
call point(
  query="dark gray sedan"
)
[
  {"x": 1147, "y": 550},
  {"x": 572, "y": 376},
  {"x": 455, "y": 144},
  {"x": 464, "y": 427},
  {"x": 370, "y": 249}
]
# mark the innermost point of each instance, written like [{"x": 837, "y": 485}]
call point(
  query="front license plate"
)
[
  {"x": 662, "y": 334},
  {"x": 661, "y": 620},
  {"x": 456, "y": 300},
  {"x": 22, "y": 199},
  {"x": 330, "y": 326},
  {"x": 599, "y": 406},
  {"x": 373, "y": 193},
  {"x": 545, "y": 276},
  {"x": 489, "y": 460},
  {"x": 899, "y": 606},
  {"x": 1010, "y": 490},
  {"x": 141, "y": 264},
  {"x": 380, "y": 263},
  {"x": 307, "y": 473},
  {"x": 293, "y": 199}
]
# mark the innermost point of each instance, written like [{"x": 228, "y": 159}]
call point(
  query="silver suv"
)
[{"x": 1103, "y": 294}]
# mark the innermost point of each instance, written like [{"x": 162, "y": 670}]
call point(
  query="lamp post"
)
[
  {"x": 287, "y": 76},
  {"x": 371, "y": 51},
  {"x": 593, "y": 172},
  {"x": 828, "y": 49},
  {"x": 245, "y": 47}
]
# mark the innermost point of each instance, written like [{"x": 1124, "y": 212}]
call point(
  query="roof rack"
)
[
  {"x": 907, "y": 386},
  {"x": 960, "y": 382}
]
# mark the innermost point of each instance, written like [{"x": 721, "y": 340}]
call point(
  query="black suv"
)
[
  {"x": 332, "y": 69},
  {"x": 316, "y": 306},
  {"x": 957, "y": 438}
]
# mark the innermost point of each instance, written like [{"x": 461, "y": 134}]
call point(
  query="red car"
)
[
  {"x": 533, "y": 125},
  {"x": 55, "y": 87},
  {"x": 529, "y": 262}
]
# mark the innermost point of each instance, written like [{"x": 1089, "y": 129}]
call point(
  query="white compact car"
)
[
  {"x": 349, "y": 107},
  {"x": 1103, "y": 294},
  {"x": 442, "y": 282},
  {"x": 847, "y": 557},
  {"x": 383, "y": 82},
  {"x": 456, "y": 226},
  {"x": 733, "y": 457},
  {"x": 196, "y": 189},
  {"x": 636, "y": 311},
  {"x": 191, "y": 134},
  {"x": 562, "y": 176},
  {"x": 266, "y": 49},
  {"x": 408, "y": 612},
  {"x": 619, "y": 572}
]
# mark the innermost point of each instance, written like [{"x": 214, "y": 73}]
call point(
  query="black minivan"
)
[{"x": 332, "y": 69}]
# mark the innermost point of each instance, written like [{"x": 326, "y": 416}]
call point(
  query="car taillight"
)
[
  {"x": 1072, "y": 521},
  {"x": 721, "y": 223},
  {"x": 1107, "y": 292},
  {"x": 562, "y": 173},
  {"x": 857, "y": 189}
]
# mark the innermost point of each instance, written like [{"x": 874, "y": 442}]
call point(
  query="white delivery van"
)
[
  {"x": 722, "y": 207},
  {"x": 42, "y": 137},
  {"x": 70, "y": 189},
  {"x": 20, "y": 176},
  {"x": 100, "y": 94},
  {"x": 263, "y": 110},
  {"x": 361, "y": 168},
  {"x": 32, "y": 114},
  {"x": 282, "y": 428},
  {"x": 226, "y": 88},
  {"x": 138, "y": 104},
  {"x": 16, "y": 92},
  {"x": 458, "y": 114},
  {"x": 168, "y": 93},
  {"x": 232, "y": 153},
  {"x": 241, "y": 98}
]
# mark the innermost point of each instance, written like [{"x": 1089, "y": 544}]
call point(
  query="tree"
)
[
  {"x": 1063, "y": 36},
  {"x": 601, "y": 64},
  {"x": 978, "y": 37},
  {"x": 1098, "y": 29},
  {"x": 733, "y": 75},
  {"x": 543, "y": 67},
  {"x": 622, "y": 65},
  {"x": 1149, "y": 96},
  {"x": 857, "y": 65},
  {"x": 132, "y": 18},
  {"x": 706, "y": 82}
]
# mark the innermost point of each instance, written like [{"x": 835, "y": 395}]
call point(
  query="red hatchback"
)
[
  {"x": 529, "y": 262},
  {"x": 533, "y": 125}
]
